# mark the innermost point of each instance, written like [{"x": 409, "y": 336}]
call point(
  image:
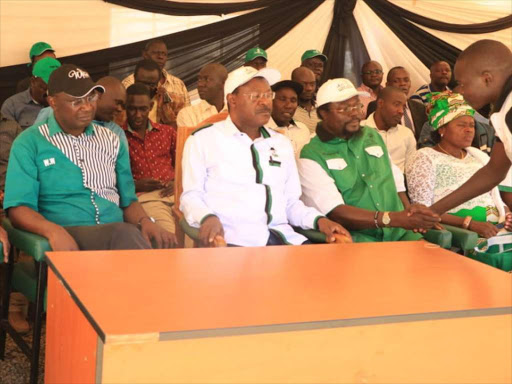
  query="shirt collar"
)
[
  {"x": 370, "y": 121},
  {"x": 507, "y": 88},
  {"x": 54, "y": 127},
  {"x": 148, "y": 129},
  {"x": 229, "y": 128}
]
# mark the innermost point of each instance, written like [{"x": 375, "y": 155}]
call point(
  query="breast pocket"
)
[{"x": 342, "y": 172}]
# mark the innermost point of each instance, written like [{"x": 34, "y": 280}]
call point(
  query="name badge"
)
[
  {"x": 336, "y": 164},
  {"x": 375, "y": 151}
]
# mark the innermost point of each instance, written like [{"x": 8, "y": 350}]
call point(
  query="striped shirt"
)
[
  {"x": 172, "y": 85},
  {"x": 70, "y": 180},
  {"x": 309, "y": 119},
  {"x": 422, "y": 92},
  {"x": 195, "y": 114}
]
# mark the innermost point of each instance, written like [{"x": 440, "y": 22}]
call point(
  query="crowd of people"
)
[{"x": 91, "y": 165}]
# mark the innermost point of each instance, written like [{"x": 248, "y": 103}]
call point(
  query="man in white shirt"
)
[
  {"x": 399, "y": 139},
  {"x": 283, "y": 108},
  {"x": 306, "y": 111},
  {"x": 210, "y": 86},
  {"x": 240, "y": 179}
]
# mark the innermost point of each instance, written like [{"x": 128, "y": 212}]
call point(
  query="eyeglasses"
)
[
  {"x": 375, "y": 71},
  {"x": 255, "y": 96},
  {"x": 77, "y": 103},
  {"x": 349, "y": 109}
]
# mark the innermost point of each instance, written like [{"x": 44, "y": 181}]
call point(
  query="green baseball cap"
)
[
  {"x": 44, "y": 68},
  {"x": 39, "y": 48},
  {"x": 309, "y": 54},
  {"x": 254, "y": 53}
]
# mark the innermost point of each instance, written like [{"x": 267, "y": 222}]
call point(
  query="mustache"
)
[{"x": 264, "y": 110}]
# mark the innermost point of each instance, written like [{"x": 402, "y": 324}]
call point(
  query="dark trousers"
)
[{"x": 108, "y": 237}]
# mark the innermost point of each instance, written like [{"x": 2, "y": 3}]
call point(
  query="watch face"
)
[{"x": 386, "y": 219}]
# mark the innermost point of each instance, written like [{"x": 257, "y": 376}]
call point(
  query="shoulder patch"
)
[{"x": 201, "y": 128}]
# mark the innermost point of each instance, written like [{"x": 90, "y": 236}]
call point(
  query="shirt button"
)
[
  {"x": 357, "y": 157},
  {"x": 377, "y": 204},
  {"x": 371, "y": 186},
  {"x": 363, "y": 175}
]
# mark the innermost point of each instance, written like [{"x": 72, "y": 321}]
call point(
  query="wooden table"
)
[{"x": 364, "y": 313}]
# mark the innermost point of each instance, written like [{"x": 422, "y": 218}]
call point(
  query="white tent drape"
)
[{"x": 386, "y": 48}]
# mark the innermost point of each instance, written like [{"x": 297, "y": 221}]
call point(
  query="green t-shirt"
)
[
  {"x": 71, "y": 181},
  {"x": 365, "y": 182}
]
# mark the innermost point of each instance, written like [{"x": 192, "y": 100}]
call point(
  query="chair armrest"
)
[
  {"x": 443, "y": 238},
  {"x": 462, "y": 238},
  {"x": 191, "y": 232},
  {"x": 30, "y": 243},
  {"x": 312, "y": 235}
]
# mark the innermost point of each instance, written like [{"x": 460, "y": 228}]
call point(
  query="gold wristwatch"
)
[{"x": 386, "y": 219}]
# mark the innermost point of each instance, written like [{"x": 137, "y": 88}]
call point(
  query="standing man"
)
[
  {"x": 372, "y": 75},
  {"x": 484, "y": 73},
  {"x": 256, "y": 58},
  {"x": 314, "y": 60},
  {"x": 284, "y": 105},
  {"x": 210, "y": 86},
  {"x": 152, "y": 157},
  {"x": 399, "y": 140},
  {"x": 347, "y": 175},
  {"x": 306, "y": 110},
  {"x": 440, "y": 76},
  {"x": 69, "y": 180},
  {"x": 415, "y": 115},
  {"x": 24, "y": 107},
  {"x": 240, "y": 179},
  {"x": 170, "y": 90}
]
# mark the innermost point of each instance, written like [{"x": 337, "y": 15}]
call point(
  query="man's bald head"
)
[
  {"x": 112, "y": 101},
  {"x": 482, "y": 70},
  {"x": 307, "y": 79},
  {"x": 210, "y": 82},
  {"x": 216, "y": 69}
]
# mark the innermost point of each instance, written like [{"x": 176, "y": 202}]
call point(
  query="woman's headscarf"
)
[{"x": 447, "y": 106}]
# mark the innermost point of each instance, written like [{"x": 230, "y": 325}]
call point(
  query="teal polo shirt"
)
[
  {"x": 71, "y": 181},
  {"x": 365, "y": 182}
]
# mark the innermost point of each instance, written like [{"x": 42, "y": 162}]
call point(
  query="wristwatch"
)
[
  {"x": 139, "y": 224},
  {"x": 386, "y": 220}
]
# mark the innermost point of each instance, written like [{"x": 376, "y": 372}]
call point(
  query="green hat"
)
[
  {"x": 254, "y": 53},
  {"x": 313, "y": 53},
  {"x": 447, "y": 106},
  {"x": 44, "y": 68},
  {"x": 39, "y": 48}
]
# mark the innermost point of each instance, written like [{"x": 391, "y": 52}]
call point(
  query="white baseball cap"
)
[
  {"x": 243, "y": 75},
  {"x": 335, "y": 90}
]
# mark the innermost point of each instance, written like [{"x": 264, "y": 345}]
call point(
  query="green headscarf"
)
[{"x": 447, "y": 106}]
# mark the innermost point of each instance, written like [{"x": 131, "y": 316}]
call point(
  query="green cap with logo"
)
[
  {"x": 309, "y": 54},
  {"x": 44, "y": 68},
  {"x": 254, "y": 53},
  {"x": 39, "y": 48}
]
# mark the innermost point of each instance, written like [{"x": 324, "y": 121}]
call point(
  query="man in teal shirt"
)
[
  {"x": 346, "y": 173},
  {"x": 69, "y": 179}
]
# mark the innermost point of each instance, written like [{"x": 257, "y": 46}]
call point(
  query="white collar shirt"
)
[
  {"x": 194, "y": 115},
  {"x": 251, "y": 186},
  {"x": 296, "y": 132},
  {"x": 399, "y": 141}
]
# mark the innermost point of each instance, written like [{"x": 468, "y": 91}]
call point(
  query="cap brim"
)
[
  {"x": 99, "y": 88},
  {"x": 345, "y": 98},
  {"x": 298, "y": 88}
]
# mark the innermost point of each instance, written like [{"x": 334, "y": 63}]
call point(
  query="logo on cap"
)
[
  {"x": 343, "y": 86},
  {"x": 78, "y": 74}
]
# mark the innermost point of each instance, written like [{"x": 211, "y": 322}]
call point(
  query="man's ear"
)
[
  {"x": 145, "y": 55},
  {"x": 380, "y": 103},
  {"x": 151, "y": 104},
  {"x": 487, "y": 78},
  {"x": 51, "y": 102},
  {"x": 231, "y": 100}
]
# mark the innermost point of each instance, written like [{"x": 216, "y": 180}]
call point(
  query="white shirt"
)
[
  {"x": 399, "y": 141},
  {"x": 500, "y": 125},
  {"x": 251, "y": 186},
  {"x": 297, "y": 132},
  {"x": 193, "y": 115}
]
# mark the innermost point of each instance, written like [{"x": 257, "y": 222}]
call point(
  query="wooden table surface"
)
[{"x": 159, "y": 291}]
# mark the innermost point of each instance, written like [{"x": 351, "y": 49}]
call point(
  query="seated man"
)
[
  {"x": 9, "y": 130},
  {"x": 372, "y": 74},
  {"x": 152, "y": 156},
  {"x": 314, "y": 60},
  {"x": 414, "y": 113},
  {"x": 240, "y": 179},
  {"x": 210, "y": 86},
  {"x": 170, "y": 90},
  {"x": 283, "y": 108},
  {"x": 69, "y": 180},
  {"x": 306, "y": 110},
  {"x": 399, "y": 140},
  {"x": 38, "y": 51},
  {"x": 23, "y": 107},
  {"x": 440, "y": 76},
  {"x": 347, "y": 175},
  {"x": 256, "y": 58}
]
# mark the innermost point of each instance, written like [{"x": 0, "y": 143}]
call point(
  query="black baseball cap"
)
[
  {"x": 72, "y": 80},
  {"x": 298, "y": 88}
]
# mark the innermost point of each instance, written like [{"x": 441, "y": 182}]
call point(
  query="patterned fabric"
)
[
  {"x": 447, "y": 106},
  {"x": 154, "y": 156},
  {"x": 309, "y": 119},
  {"x": 432, "y": 175},
  {"x": 172, "y": 85},
  {"x": 365, "y": 100}
]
